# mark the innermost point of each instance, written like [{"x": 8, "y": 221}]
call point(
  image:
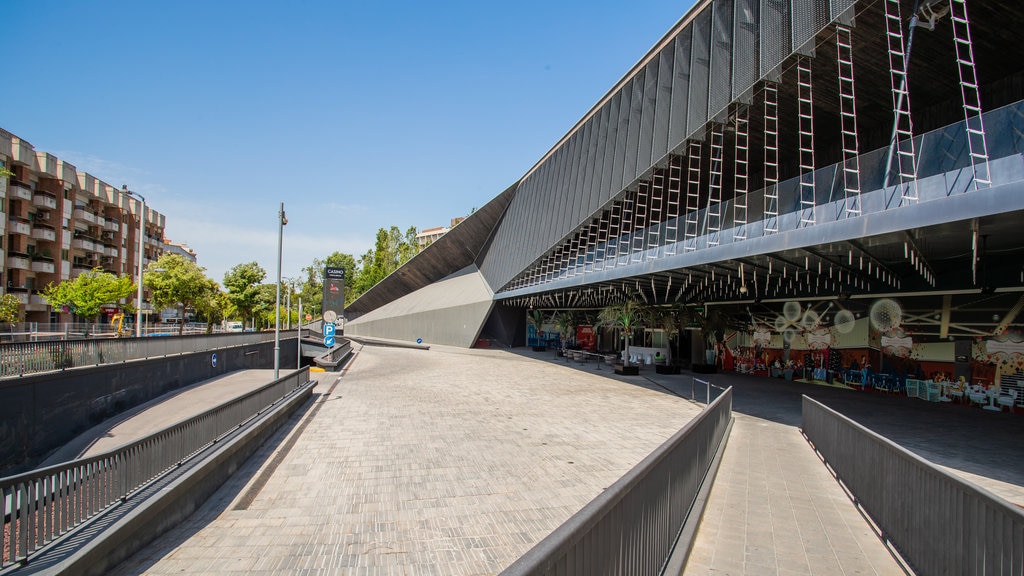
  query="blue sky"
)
[{"x": 356, "y": 115}]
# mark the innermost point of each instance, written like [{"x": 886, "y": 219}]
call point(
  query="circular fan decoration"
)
[
  {"x": 886, "y": 315},
  {"x": 791, "y": 310},
  {"x": 788, "y": 335},
  {"x": 844, "y": 321},
  {"x": 780, "y": 323},
  {"x": 810, "y": 320}
]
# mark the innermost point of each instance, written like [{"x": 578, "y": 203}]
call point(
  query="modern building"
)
[
  {"x": 59, "y": 222},
  {"x": 803, "y": 181},
  {"x": 179, "y": 248},
  {"x": 428, "y": 236}
]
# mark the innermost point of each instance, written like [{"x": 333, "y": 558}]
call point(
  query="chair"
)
[
  {"x": 1008, "y": 399},
  {"x": 978, "y": 395},
  {"x": 956, "y": 391},
  {"x": 913, "y": 387}
]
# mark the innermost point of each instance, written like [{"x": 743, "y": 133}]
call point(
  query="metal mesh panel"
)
[
  {"x": 622, "y": 134},
  {"x": 555, "y": 189},
  {"x": 650, "y": 103},
  {"x": 589, "y": 195},
  {"x": 579, "y": 158},
  {"x": 776, "y": 44},
  {"x": 661, "y": 117},
  {"x": 840, "y": 6},
  {"x": 700, "y": 55},
  {"x": 721, "y": 58},
  {"x": 612, "y": 112},
  {"x": 680, "y": 89},
  {"x": 809, "y": 17},
  {"x": 633, "y": 137},
  {"x": 744, "y": 46}
]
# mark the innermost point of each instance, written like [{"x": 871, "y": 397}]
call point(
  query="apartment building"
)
[{"x": 59, "y": 222}]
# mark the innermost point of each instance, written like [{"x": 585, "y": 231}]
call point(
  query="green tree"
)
[
  {"x": 212, "y": 305},
  {"x": 9, "y": 308},
  {"x": 628, "y": 316},
  {"x": 87, "y": 292},
  {"x": 175, "y": 282},
  {"x": 243, "y": 285},
  {"x": 566, "y": 323},
  {"x": 266, "y": 297},
  {"x": 391, "y": 250}
]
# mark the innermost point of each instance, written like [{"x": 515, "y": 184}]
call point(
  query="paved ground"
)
[
  {"x": 424, "y": 462},
  {"x": 455, "y": 461}
]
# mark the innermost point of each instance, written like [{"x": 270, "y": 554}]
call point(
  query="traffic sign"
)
[
  {"x": 328, "y": 329},
  {"x": 330, "y": 315},
  {"x": 329, "y": 341}
]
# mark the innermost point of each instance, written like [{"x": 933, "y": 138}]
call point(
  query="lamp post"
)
[
  {"x": 281, "y": 221},
  {"x": 142, "y": 224}
]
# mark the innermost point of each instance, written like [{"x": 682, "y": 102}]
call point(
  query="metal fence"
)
[
  {"x": 20, "y": 358},
  {"x": 631, "y": 528},
  {"x": 44, "y": 504},
  {"x": 940, "y": 523}
]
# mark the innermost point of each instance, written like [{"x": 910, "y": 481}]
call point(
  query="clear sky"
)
[{"x": 356, "y": 115}]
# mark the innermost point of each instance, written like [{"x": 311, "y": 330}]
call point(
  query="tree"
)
[
  {"x": 628, "y": 315},
  {"x": 390, "y": 251},
  {"x": 243, "y": 285},
  {"x": 566, "y": 324},
  {"x": 212, "y": 305},
  {"x": 88, "y": 292},
  {"x": 175, "y": 282},
  {"x": 9, "y": 308},
  {"x": 266, "y": 298}
]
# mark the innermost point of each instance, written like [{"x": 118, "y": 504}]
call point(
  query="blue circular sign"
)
[
  {"x": 419, "y": 340},
  {"x": 213, "y": 359}
]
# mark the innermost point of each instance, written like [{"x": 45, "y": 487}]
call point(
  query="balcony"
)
[
  {"x": 36, "y": 303},
  {"x": 111, "y": 251},
  {"x": 81, "y": 214},
  {"x": 112, "y": 225},
  {"x": 19, "y": 262},
  {"x": 44, "y": 233},
  {"x": 19, "y": 227},
  {"x": 21, "y": 296},
  {"x": 84, "y": 244},
  {"x": 101, "y": 221},
  {"x": 45, "y": 200},
  {"x": 19, "y": 190},
  {"x": 43, "y": 266}
]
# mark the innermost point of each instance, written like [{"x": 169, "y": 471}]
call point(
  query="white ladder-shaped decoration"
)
[
  {"x": 741, "y": 172},
  {"x": 848, "y": 121},
  {"x": 976, "y": 145},
  {"x": 902, "y": 143},
  {"x": 673, "y": 205},
  {"x": 656, "y": 208},
  {"x": 614, "y": 232},
  {"x": 693, "y": 153},
  {"x": 771, "y": 158},
  {"x": 626, "y": 229},
  {"x": 717, "y": 149},
  {"x": 643, "y": 198},
  {"x": 805, "y": 101}
]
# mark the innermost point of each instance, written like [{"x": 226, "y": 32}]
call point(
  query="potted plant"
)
[
  {"x": 535, "y": 318},
  {"x": 565, "y": 322},
  {"x": 628, "y": 316}
]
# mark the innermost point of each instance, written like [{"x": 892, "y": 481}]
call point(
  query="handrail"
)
[
  {"x": 44, "y": 504},
  {"x": 631, "y": 528},
  {"x": 940, "y": 523},
  {"x": 21, "y": 358}
]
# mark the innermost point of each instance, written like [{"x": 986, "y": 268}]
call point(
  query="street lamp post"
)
[
  {"x": 142, "y": 224},
  {"x": 281, "y": 221}
]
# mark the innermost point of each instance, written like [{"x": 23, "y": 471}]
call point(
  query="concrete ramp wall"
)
[{"x": 451, "y": 311}]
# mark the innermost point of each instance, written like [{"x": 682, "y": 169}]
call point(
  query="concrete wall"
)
[
  {"x": 451, "y": 311},
  {"x": 42, "y": 412}
]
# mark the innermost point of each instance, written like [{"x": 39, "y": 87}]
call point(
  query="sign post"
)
[{"x": 334, "y": 292}]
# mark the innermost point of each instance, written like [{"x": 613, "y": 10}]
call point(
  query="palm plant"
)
[
  {"x": 626, "y": 315},
  {"x": 566, "y": 323},
  {"x": 535, "y": 318}
]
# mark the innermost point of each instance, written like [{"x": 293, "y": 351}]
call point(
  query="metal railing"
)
[
  {"x": 940, "y": 523},
  {"x": 20, "y": 358},
  {"x": 44, "y": 504},
  {"x": 632, "y": 527}
]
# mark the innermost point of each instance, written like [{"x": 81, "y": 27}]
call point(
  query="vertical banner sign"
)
[{"x": 334, "y": 290}]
